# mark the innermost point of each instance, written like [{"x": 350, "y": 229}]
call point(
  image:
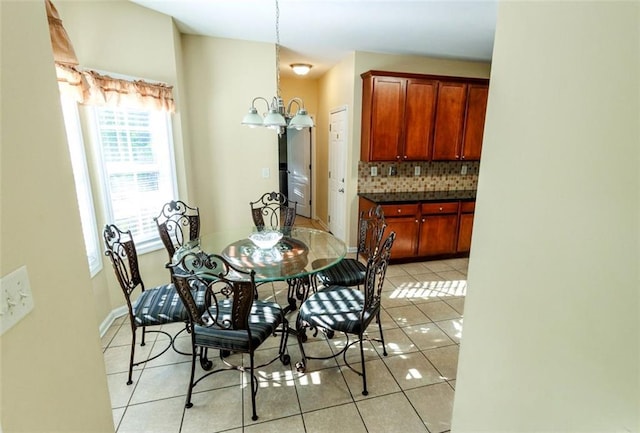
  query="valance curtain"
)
[{"x": 92, "y": 88}]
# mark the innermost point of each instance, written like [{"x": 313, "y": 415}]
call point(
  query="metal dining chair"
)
[
  {"x": 154, "y": 306},
  {"x": 347, "y": 310},
  {"x": 177, "y": 223},
  {"x": 234, "y": 321},
  {"x": 351, "y": 271},
  {"x": 273, "y": 210}
]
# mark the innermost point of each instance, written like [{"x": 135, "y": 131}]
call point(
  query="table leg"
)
[{"x": 298, "y": 290}]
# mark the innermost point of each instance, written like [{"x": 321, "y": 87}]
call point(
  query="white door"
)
[
  {"x": 299, "y": 169},
  {"x": 337, "y": 171}
]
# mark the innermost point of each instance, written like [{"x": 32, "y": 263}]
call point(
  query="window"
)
[
  {"x": 136, "y": 153},
  {"x": 83, "y": 185}
]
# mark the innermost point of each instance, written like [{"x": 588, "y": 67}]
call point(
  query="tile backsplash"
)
[{"x": 434, "y": 176}]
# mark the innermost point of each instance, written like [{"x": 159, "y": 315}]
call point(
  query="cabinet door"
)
[
  {"x": 419, "y": 113},
  {"x": 406, "y": 242},
  {"x": 474, "y": 121},
  {"x": 447, "y": 134},
  {"x": 464, "y": 233},
  {"x": 387, "y": 114},
  {"x": 438, "y": 234}
]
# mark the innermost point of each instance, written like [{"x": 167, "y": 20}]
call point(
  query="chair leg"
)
[
  {"x": 364, "y": 373},
  {"x": 133, "y": 351},
  {"x": 384, "y": 346},
  {"x": 254, "y": 388},
  {"x": 301, "y": 337},
  {"x": 144, "y": 331},
  {"x": 284, "y": 356},
  {"x": 194, "y": 355}
]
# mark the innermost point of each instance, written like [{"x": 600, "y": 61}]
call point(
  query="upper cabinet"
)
[
  {"x": 408, "y": 117},
  {"x": 398, "y": 120},
  {"x": 447, "y": 133},
  {"x": 474, "y": 121}
]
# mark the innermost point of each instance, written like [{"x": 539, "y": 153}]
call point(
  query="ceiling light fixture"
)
[
  {"x": 301, "y": 68},
  {"x": 276, "y": 117}
]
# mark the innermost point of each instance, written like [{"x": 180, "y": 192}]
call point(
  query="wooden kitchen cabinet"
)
[
  {"x": 438, "y": 228},
  {"x": 465, "y": 226},
  {"x": 397, "y": 118},
  {"x": 402, "y": 219},
  {"x": 477, "y": 95},
  {"x": 414, "y": 117},
  {"x": 427, "y": 229},
  {"x": 447, "y": 134}
]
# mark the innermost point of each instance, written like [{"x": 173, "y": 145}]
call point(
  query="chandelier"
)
[{"x": 278, "y": 112}]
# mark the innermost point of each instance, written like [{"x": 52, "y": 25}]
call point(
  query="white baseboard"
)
[{"x": 108, "y": 321}]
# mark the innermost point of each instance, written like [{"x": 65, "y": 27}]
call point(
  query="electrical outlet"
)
[
  {"x": 416, "y": 170},
  {"x": 15, "y": 298},
  {"x": 463, "y": 170},
  {"x": 374, "y": 171}
]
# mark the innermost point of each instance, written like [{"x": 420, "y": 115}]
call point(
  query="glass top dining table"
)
[{"x": 299, "y": 253}]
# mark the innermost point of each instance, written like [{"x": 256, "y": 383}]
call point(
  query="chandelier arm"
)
[
  {"x": 298, "y": 102},
  {"x": 253, "y": 103}
]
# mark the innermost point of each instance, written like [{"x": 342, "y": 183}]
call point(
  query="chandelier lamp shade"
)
[{"x": 278, "y": 116}]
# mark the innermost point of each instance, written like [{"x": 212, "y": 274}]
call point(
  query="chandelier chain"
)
[
  {"x": 279, "y": 115},
  {"x": 277, "y": 49}
]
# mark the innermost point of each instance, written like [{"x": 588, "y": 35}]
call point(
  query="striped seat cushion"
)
[
  {"x": 347, "y": 272},
  {"x": 265, "y": 317},
  {"x": 163, "y": 305},
  {"x": 336, "y": 308}
]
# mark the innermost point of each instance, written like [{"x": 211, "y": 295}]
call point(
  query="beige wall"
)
[
  {"x": 222, "y": 77},
  {"x": 52, "y": 370},
  {"x": 551, "y": 324},
  {"x": 336, "y": 91}
]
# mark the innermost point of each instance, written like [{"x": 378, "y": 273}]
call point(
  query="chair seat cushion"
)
[
  {"x": 347, "y": 272},
  {"x": 336, "y": 307},
  {"x": 162, "y": 305},
  {"x": 264, "y": 318}
]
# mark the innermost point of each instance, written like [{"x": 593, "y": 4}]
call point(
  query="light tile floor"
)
[{"x": 411, "y": 389}]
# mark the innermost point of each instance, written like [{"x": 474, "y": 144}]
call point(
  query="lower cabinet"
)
[
  {"x": 402, "y": 219},
  {"x": 466, "y": 226},
  {"x": 438, "y": 229},
  {"x": 428, "y": 229}
]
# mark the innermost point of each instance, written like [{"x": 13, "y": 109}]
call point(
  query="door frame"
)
[{"x": 345, "y": 167}]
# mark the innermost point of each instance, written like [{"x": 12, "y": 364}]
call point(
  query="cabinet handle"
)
[
  {"x": 440, "y": 208},
  {"x": 399, "y": 210},
  {"x": 397, "y": 156},
  {"x": 423, "y": 220},
  {"x": 405, "y": 157}
]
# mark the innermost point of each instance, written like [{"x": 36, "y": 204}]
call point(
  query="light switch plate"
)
[
  {"x": 416, "y": 170},
  {"x": 463, "y": 171},
  {"x": 16, "y": 300},
  {"x": 374, "y": 171},
  {"x": 266, "y": 173}
]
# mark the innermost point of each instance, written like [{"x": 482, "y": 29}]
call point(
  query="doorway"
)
[{"x": 294, "y": 150}]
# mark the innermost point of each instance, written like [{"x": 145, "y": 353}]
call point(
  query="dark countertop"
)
[{"x": 411, "y": 197}]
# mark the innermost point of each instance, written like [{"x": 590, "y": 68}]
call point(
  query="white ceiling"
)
[{"x": 323, "y": 32}]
